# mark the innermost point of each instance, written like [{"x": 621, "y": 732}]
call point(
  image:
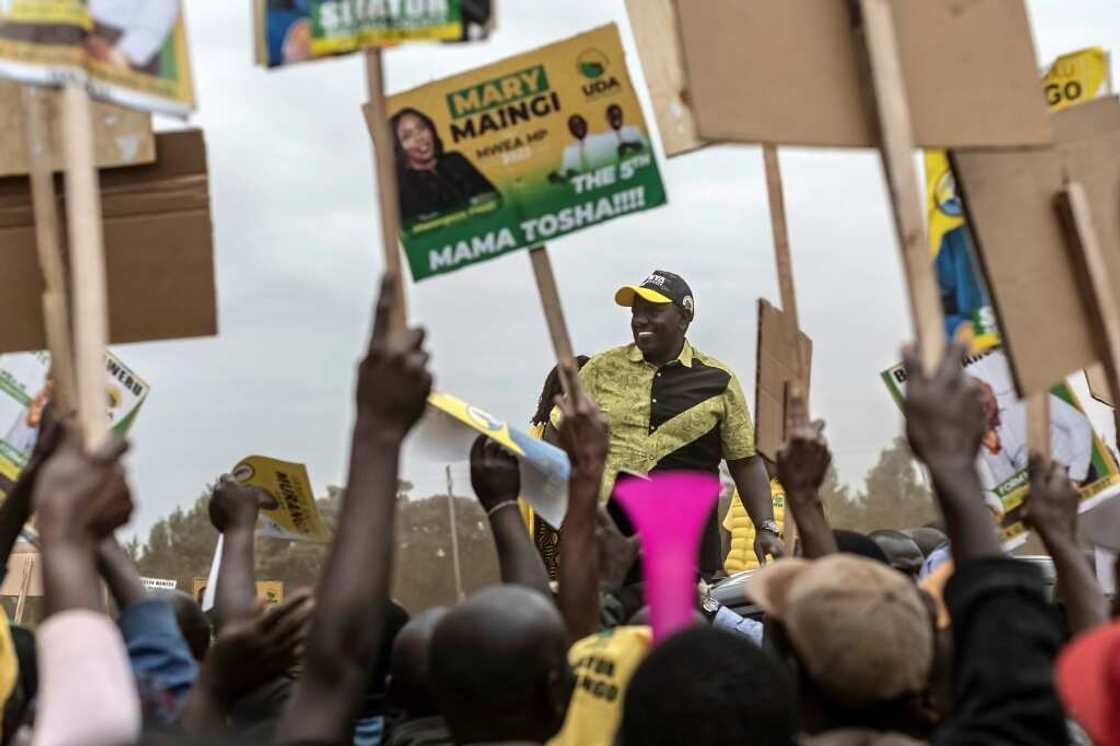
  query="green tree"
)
[
  {"x": 894, "y": 494},
  {"x": 180, "y": 546}
]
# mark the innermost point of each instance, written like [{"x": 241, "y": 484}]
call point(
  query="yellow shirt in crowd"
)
[{"x": 603, "y": 664}]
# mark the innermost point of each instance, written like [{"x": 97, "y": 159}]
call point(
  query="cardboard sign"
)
[
  {"x": 132, "y": 54},
  {"x": 786, "y": 72},
  {"x": 654, "y": 23},
  {"x": 452, "y": 424},
  {"x": 271, "y": 592},
  {"x": 1073, "y": 78},
  {"x": 121, "y": 137},
  {"x": 1003, "y": 458},
  {"x": 25, "y": 387},
  {"x": 777, "y": 361},
  {"x": 291, "y": 512},
  {"x": 290, "y": 31},
  {"x": 1099, "y": 389},
  {"x": 520, "y": 152},
  {"x": 159, "y": 250},
  {"x": 1009, "y": 198}
]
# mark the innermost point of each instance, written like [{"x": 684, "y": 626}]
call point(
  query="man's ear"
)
[{"x": 684, "y": 320}]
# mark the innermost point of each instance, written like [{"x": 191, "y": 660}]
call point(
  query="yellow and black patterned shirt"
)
[{"x": 687, "y": 414}]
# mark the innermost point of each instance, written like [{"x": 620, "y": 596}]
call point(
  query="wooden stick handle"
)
[
  {"x": 387, "y": 195},
  {"x": 87, "y": 262},
  {"x": 779, "y": 226},
  {"x": 56, "y": 307},
  {"x": 553, "y": 312},
  {"x": 1089, "y": 261},
  {"x": 1038, "y": 424},
  {"x": 873, "y": 28}
]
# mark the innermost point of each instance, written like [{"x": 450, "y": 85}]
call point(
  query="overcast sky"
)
[{"x": 297, "y": 258}]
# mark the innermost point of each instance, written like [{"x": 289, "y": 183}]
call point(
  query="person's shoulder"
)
[
  {"x": 609, "y": 357},
  {"x": 711, "y": 361},
  {"x": 454, "y": 157}
]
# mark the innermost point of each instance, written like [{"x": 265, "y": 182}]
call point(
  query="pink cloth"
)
[{"x": 87, "y": 695}]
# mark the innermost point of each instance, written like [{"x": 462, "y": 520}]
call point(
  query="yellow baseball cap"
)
[{"x": 660, "y": 287}]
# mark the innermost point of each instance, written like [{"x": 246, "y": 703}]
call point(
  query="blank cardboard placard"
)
[
  {"x": 1097, "y": 380},
  {"x": 122, "y": 137},
  {"x": 777, "y": 361},
  {"x": 159, "y": 250},
  {"x": 654, "y": 23},
  {"x": 1045, "y": 312},
  {"x": 786, "y": 72}
]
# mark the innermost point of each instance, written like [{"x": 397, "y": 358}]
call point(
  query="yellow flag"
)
[{"x": 1076, "y": 77}]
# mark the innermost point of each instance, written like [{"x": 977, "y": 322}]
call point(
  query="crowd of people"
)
[{"x": 926, "y": 637}]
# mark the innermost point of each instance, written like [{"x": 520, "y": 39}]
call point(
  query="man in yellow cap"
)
[{"x": 671, "y": 407}]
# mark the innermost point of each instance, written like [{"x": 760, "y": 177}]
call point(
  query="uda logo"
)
[
  {"x": 484, "y": 419},
  {"x": 592, "y": 65},
  {"x": 945, "y": 195}
]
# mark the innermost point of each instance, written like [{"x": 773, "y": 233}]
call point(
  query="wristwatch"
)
[
  {"x": 710, "y": 607},
  {"x": 770, "y": 527}
]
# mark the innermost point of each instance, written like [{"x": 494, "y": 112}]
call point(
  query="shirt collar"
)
[{"x": 685, "y": 358}]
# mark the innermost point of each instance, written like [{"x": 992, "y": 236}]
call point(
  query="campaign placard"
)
[{"x": 520, "y": 152}]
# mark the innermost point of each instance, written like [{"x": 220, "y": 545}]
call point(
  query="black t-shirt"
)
[{"x": 1005, "y": 641}]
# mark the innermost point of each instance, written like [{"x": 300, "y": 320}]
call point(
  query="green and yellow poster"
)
[
  {"x": 1004, "y": 453},
  {"x": 130, "y": 53},
  {"x": 289, "y": 31},
  {"x": 520, "y": 152}
]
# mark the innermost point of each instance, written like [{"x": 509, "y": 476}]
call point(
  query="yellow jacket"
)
[{"x": 741, "y": 555}]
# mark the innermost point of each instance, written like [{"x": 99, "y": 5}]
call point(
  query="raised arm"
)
[
  {"x": 16, "y": 509},
  {"x": 803, "y": 463},
  {"x": 1052, "y": 512},
  {"x": 120, "y": 574},
  {"x": 1004, "y": 636},
  {"x": 945, "y": 424},
  {"x": 583, "y": 435},
  {"x": 233, "y": 511},
  {"x": 497, "y": 482},
  {"x": 393, "y": 387},
  {"x": 86, "y": 690},
  {"x": 249, "y": 652}
]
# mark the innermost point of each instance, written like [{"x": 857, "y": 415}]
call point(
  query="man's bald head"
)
[
  {"x": 498, "y": 665},
  {"x": 409, "y": 686}
]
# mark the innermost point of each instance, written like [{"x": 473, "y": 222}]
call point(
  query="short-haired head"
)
[
  {"x": 707, "y": 687},
  {"x": 498, "y": 666},
  {"x": 409, "y": 689}
]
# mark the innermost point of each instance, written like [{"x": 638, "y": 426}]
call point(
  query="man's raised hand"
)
[
  {"x": 945, "y": 419},
  {"x": 495, "y": 475},
  {"x": 82, "y": 497},
  {"x": 1051, "y": 505},
  {"x": 234, "y": 505},
  {"x": 804, "y": 458},
  {"x": 393, "y": 379},
  {"x": 583, "y": 429}
]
